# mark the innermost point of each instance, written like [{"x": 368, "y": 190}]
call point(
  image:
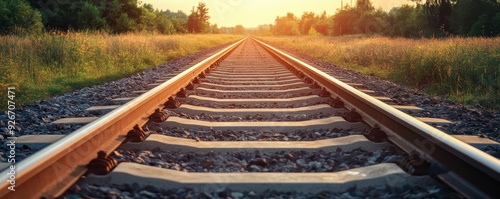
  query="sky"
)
[{"x": 251, "y": 13}]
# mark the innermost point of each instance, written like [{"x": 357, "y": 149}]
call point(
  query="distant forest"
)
[
  {"x": 426, "y": 18},
  {"x": 113, "y": 16}
]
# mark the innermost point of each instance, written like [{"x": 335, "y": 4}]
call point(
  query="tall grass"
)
[
  {"x": 466, "y": 70},
  {"x": 43, "y": 65}
]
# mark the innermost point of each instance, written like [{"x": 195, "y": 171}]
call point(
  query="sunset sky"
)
[{"x": 251, "y": 13}]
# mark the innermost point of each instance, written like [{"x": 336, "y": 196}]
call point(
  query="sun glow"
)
[{"x": 256, "y": 12}]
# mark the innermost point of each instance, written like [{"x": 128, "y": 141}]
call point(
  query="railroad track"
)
[{"x": 251, "y": 121}]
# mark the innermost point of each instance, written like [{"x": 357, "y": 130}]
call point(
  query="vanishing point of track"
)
[{"x": 254, "y": 87}]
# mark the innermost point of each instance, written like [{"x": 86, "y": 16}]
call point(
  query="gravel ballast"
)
[
  {"x": 37, "y": 118},
  {"x": 230, "y": 135},
  {"x": 254, "y": 118},
  {"x": 467, "y": 120},
  {"x": 134, "y": 191},
  {"x": 324, "y": 100},
  {"x": 282, "y": 161},
  {"x": 251, "y": 95}
]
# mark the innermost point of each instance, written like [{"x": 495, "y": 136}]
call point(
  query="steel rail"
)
[
  {"x": 52, "y": 170},
  {"x": 468, "y": 170}
]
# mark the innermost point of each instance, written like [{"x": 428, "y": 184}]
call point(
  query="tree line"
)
[
  {"x": 427, "y": 18},
  {"x": 113, "y": 16}
]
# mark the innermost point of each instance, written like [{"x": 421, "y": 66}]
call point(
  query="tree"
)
[
  {"x": 111, "y": 11},
  {"x": 444, "y": 16},
  {"x": 198, "y": 19},
  {"x": 486, "y": 26},
  {"x": 146, "y": 21},
  {"x": 58, "y": 14},
  {"x": 214, "y": 29},
  {"x": 163, "y": 24},
  {"x": 468, "y": 14},
  {"x": 287, "y": 25},
  {"x": 263, "y": 30},
  {"x": 130, "y": 7},
  {"x": 321, "y": 24},
  {"x": 239, "y": 29},
  {"x": 438, "y": 13},
  {"x": 343, "y": 21},
  {"x": 364, "y": 6},
  {"x": 360, "y": 19},
  {"x": 495, "y": 25},
  {"x": 16, "y": 16},
  {"x": 306, "y": 22},
  {"x": 124, "y": 24},
  {"x": 367, "y": 20},
  {"x": 192, "y": 22},
  {"x": 89, "y": 18},
  {"x": 115, "y": 16},
  {"x": 480, "y": 28},
  {"x": 178, "y": 20},
  {"x": 148, "y": 7},
  {"x": 203, "y": 17},
  {"x": 407, "y": 21}
]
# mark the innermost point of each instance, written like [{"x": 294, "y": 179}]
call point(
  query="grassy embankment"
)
[
  {"x": 49, "y": 64},
  {"x": 466, "y": 70}
]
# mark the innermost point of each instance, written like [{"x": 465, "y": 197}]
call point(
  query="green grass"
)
[
  {"x": 44, "y": 65},
  {"x": 466, "y": 70}
]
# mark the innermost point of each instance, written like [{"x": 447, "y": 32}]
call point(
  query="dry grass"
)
[
  {"x": 44, "y": 65},
  {"x": 466, "y": 70}
]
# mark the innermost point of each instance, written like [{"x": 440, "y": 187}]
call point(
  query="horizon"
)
[{"x": 229, "y": 13}]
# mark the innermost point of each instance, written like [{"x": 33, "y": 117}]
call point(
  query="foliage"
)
[
  {"x": 321, "y": 24},
  {"x": 457, "y": 17},
  {"x": 198, "y": 19},
  {"x": 214, "y": 29},
  {"x": 124, "y": 24},
  {"x": 114, "y": 16},
  {"x": 291, "y": 25},
  {"x": 406, "y": 21},
  {"x": 89, "y": 18},
  {"x": 43, "y": 65},
  {"x": 429, "y": 18},
  {"x": 360, "y": 19},
  {"x": 178, "y": 20},
  {"x": 437, "y": 14},
  {"x": 163, "y": 24},
  {"x": 262, "y": 30},
  {"x": 287, "y": 25},
  {"x": 479, "y": 18},
  {"x": 16, "y": 17},
  {"x": 306, "y": 22},
  {"x": 464, "y": 69},
  {"x": 363, "y": 18},
  {"x": 239, "y": 29}
]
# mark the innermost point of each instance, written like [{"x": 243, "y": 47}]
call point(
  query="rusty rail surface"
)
[
  {"x": 465, "y": 168},
  {"x": 52, "y": 170}
]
